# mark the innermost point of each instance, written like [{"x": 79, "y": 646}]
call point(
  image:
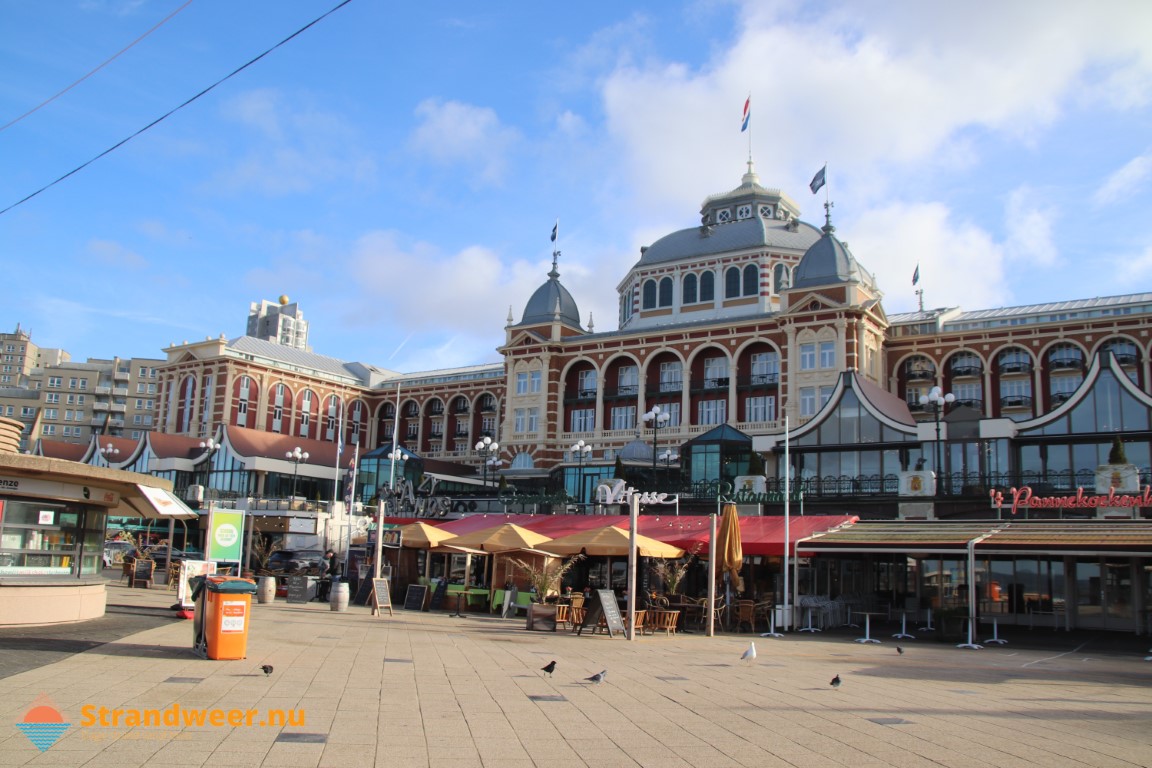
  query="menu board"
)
[
  {"x": 414, "y": 597},
  {"x": 381, "y": 597}
]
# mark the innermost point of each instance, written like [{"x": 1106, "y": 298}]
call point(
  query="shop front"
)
[{"x": 53, "y": 516}]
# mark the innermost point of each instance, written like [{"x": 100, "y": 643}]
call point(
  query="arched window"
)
[
  {"x": 732, "y": 282},
  {"x": 689, "y": 295},
  {"x": 648, "y": 300},
  {"x": 707, "y": 286},
  {"x": 666, "y": 292},
  {"x": 751, "y": 280}
]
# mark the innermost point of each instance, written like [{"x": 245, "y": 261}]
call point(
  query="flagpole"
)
[
  {"x": 391, "y": 486},
  {"x": 339, "y": 452},
  {"x": 787, "y": 526}
]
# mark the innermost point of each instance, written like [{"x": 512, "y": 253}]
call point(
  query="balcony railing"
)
[
  {"x": 1016, "y": 366},
  {"x": 759, "y": 380},
  {"x": 624, "y": 390},
  {"x": 1065, "y": 363},
  {"x": 1016, "y": 401},
  {"x": 966, "y": 371},
  {"x": 919, "y": 374},
  {"x": 709, "y": 383}
]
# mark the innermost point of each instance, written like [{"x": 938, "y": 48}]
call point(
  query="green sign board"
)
[{"x": 225, "y": 535}]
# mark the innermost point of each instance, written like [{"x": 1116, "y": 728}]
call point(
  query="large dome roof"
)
[
  {"x": 829, "y": 262},
  {"x": 551, "y": 303},
  {"x": 751, "y": 233}
]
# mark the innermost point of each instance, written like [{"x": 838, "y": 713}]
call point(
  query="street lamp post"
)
[
  {"x": 109, "y": 452},
  {"x": 395, "y": 456},
  {"x": 936, "y": 400},
  {"x": 488, "y": 451},
  {"x": 580, "y": 452},
  {"x": 295, "y": 456},
  {"x": 656, "y": 418},
  {"x": 668, "y": 458},
  {"x": 210, "y": 447}
]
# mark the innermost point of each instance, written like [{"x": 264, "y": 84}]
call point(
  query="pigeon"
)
[
  {"x": 267, "y": 669},
  {"x": 835, "y": 682},
  {"x": 597, "y": 678},
  {"x": 550, "y": 667},
  {"x": 899, "y": 650},
  {"x": 750, "y": 654}
]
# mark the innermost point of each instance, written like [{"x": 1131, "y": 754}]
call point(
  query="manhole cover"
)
[
  {"x": 546, "y": 697},
  {"x": 890, "y": 721},
  {"x": 303, "y": 738},
  {"x": 184, "y": 680}
]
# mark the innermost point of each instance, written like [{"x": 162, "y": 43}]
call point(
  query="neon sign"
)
[{"x": 1024, "y": 498}]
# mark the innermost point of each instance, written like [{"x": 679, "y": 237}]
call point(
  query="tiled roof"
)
[
  {"x": 166, "y": 446},
  {"x": 57, "y": 449},
  {"x": 251, "y": 443},
  {"x": 308, "y": 361}
]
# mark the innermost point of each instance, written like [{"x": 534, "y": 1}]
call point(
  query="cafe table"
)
[
  {"x": 868, "y": 627},
  {"x": 903, "y": 633}
]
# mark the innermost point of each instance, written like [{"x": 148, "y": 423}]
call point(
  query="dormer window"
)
[
  {"x": 724, "y": 216},
  {"x": 766, "y": 212},
  {"x": 744, "y": 212}
]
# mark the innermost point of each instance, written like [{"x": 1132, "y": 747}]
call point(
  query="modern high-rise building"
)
[{"x": 281, "y": 322}]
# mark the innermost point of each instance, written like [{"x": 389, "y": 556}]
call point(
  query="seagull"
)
[
  {"x": 835, "y": 682},
  {"x": 597, "y": 678},
  {"x": 750, "y": 654},
  {"x": 899, "y": 650},
  {"x": 267, "y": 669},
  {"x": 550, "y": 667}
]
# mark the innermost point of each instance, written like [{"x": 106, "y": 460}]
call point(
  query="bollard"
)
[{"x": 338, "y": 598}]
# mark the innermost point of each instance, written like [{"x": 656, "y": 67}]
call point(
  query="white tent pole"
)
[
  {"x": 712, "y": 578},
  {"x": 787, "y": 526},
  {"x": 633, "y": 520}
]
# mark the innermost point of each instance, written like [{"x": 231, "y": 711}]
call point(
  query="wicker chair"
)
[{"x": 746, "y": 615}]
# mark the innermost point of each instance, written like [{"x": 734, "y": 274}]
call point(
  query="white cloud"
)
[
  {"x": 1028, "y": 224},
  {"x": 464, "y": 136},
  {"x": 113, "y": 254},
  {"x": 454, "y": 305},
  {"x": 1126, "y": 181},
  {"x": 928, "y": 237},
  {"x": 290, "y": 149}
]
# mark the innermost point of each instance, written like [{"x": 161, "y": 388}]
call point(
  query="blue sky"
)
[{"x": 398, "y": 167}]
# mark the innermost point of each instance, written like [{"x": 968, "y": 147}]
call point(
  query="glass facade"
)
[{"x": 49, "y": 538}]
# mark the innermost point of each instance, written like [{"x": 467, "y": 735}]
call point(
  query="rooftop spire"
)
[{"x": 828, "y": 228}]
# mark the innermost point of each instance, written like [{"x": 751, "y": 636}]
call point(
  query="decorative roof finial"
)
[{"x": 828, "y": 228}]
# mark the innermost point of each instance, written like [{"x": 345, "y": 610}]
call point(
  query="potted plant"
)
[
  {"x": 672, "y": 572},
  {"x": 545, "y": 578}
]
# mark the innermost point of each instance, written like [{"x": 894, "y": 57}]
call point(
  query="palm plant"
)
[{"x": 546, "y": 577}]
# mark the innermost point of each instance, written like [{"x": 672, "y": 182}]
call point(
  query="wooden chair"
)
[
  {"x": 576, "y": 617},
  {"x": 664, "y": 620},
  {"x": 746, "y": 614},
  {"x": 641, "y": 622},
  {"x": 562, "y": 612},
  {"x": 125, "y": 569},
  {"x": 173, "y": 576}
]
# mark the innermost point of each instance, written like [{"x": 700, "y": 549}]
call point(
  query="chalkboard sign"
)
[
  {"x": 363, "y": 591},
  {"x": 300, "y": 589},
  {"x": 439, "y": 595},
  {"x": 612, "y": 617},
  {"x": 381, "y": 597},
  {"x": 142, "y": 572},
  {"x": 603, "y": 605},
  {"x": 414, "y": 598}
]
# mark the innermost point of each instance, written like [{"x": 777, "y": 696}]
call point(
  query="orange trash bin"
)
[{"x": 222, "y": 617}]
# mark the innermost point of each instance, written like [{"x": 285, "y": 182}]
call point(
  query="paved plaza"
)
[{"x": 422, "y": 689}]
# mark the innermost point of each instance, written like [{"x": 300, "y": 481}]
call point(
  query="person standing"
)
[{"x": 329, "y": 573}]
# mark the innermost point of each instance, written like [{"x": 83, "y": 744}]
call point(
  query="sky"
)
[{"x": 397, "y": 168}]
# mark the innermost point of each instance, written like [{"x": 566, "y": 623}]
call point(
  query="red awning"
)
[{"x": 765, "y": 535}]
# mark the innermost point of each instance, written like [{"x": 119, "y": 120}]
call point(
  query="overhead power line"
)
[
  {"x": 174, "y": 110},
  {"x": 108, "y": 61}
]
